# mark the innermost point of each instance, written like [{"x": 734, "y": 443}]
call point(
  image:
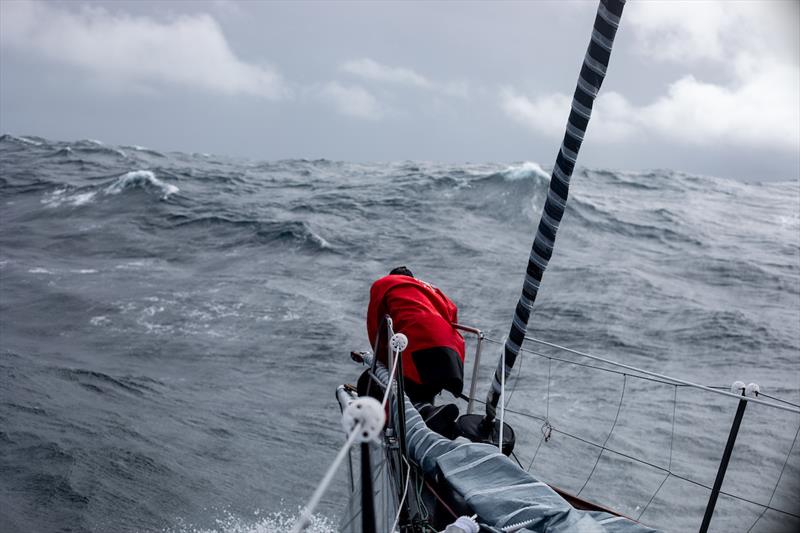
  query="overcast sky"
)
[{"x": 704, "y": 87}]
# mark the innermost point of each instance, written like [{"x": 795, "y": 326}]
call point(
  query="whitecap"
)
[
  {"x": 82, "y": 198},
  {"x": 132, "y": 265},
  {"x": 27, "y": 141},
  {"x": 99, "y": 320},
  {"x": 39, "y": 270},
  {"x": 144, "y": 179},
  {"x": 60, "y": 197},
  {"x": 526, "y": 170},
  {"x": 84, "y": 271}
]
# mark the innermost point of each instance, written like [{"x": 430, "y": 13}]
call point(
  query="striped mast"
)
[{"x": 591, "y": 78}]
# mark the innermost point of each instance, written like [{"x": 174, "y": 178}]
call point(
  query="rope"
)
[
  {"x": 391, "y": 378},
  {"x": 653, "y": 496},
  {"x": 672, "y": 435},
  {"x": 614, "y": 425},
  {"x": 779, "y": 400},
  {"x": 403, "y": 499},
  {"x": 545, "y": 433},
  {"x": 666, "y": 470},
  {"x": 595, "y": 367},
  {"x": 673, "y": 474},
  {"x": 665, "y": 380},
  {"x": 440, "y": 500},
  {"x": 378, "y": 472},
  {"x": 669, "y": 379},
  {"x": 775, "y": 488},
  {"x": 304, "y": 519}
]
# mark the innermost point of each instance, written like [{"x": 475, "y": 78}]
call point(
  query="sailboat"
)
[{"x": 404, "y": 477}]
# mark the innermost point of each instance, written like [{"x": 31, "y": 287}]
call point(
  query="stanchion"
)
[{"x": 726, "y": 455}]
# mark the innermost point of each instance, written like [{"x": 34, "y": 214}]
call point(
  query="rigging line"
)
[
  {"x": 672, "y": 435},
  {"x": 673, "y": 474},
  {"x": 775, "y": 488},
  {"x": 576, "y": 363},
  {"x": 514, "y": 411},
  {"x": 423, "y": 509},
  {"x": 305, "y": 516},
  {"x": 653, "y": 496},
  {"x": 439, "y": 498},
  {"x": 541, "y": 440},
  {"x": 549, "y": 366},
  {"x": 391, "y": 378},
  {"x": 614, "y": 425},
  {"x": 516, "y": 381},
  {"x": 516, "y": 459},
  {"x": 663, "y": 376},
  {"x": 546, "y": 420},
  {"x": 378, "y": 472},
  {"x": 779, "y": 399},
  {"x": 403, "y": 499}
]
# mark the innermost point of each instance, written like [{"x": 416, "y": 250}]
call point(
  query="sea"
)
[{"x": 173, "y": 327}]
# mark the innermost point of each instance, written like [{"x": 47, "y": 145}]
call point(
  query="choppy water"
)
[{"x": 173, "y": 327}]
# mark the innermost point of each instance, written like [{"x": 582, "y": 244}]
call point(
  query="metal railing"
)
[{"x": 474, "y": 379}]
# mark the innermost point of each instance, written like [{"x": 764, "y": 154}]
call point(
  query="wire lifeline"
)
[
  {"x": 666, "y": 470},
  {"x": 670, "y": 379},
  {"x": 592, "y": 74},
  {"x": 661, "y": 378},
  {"x": 673, "y": 474}
]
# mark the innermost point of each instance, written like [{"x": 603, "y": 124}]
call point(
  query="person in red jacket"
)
[{"x": 434, "y": 358}]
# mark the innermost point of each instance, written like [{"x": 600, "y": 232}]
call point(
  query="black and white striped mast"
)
[{"x": 593, "y": 71}]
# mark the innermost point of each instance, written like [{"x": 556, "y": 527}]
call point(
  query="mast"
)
[{"x": 593, "y": 71}]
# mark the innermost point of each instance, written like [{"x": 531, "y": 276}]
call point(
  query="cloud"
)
[
  {"x": 353, "y": 101},
  {"x": 758, "y": 107},
  {"x": 188, "y": 50},
  {"x": 371, "y": 70}
]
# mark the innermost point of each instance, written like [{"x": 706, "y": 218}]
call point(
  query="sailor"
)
[{"x": 434, "y": 358}]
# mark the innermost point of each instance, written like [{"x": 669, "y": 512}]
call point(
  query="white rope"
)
[
  {"x": 304, "y": 519},
  {"x": 395, "y": 358},
  {"x": 403, "y": 499}
]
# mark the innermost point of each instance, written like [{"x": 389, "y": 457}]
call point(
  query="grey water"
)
[{"x": 173, "y": 327}]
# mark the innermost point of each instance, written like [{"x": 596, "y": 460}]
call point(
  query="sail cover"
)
[{"x": 502, "y": 494}]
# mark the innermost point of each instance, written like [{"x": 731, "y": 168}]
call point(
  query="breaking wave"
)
[{"x": 145, "y": 180}]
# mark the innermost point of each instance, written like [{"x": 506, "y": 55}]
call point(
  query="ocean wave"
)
[
  {"x": 7, "y": 137},
  {"x": 62, "y": 196},
  {"x": 102, "y": 383},
  {"x": 92, "y": 146},
  {"x": 137, "y": 179},
  {"x": 236, "y": 232},
  {"x": 526, "y": 170},
  {"x": 143, "y": 150},
  {"x": 142, "y": 179}
]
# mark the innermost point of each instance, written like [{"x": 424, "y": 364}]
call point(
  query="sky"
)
[{"x": 698, "y": 86}]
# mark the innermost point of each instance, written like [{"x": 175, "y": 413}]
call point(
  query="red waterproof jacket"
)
[{"x": 435, "y": 353}]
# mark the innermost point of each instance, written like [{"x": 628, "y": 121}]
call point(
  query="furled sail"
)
[{"x": 593, "y": 71}]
